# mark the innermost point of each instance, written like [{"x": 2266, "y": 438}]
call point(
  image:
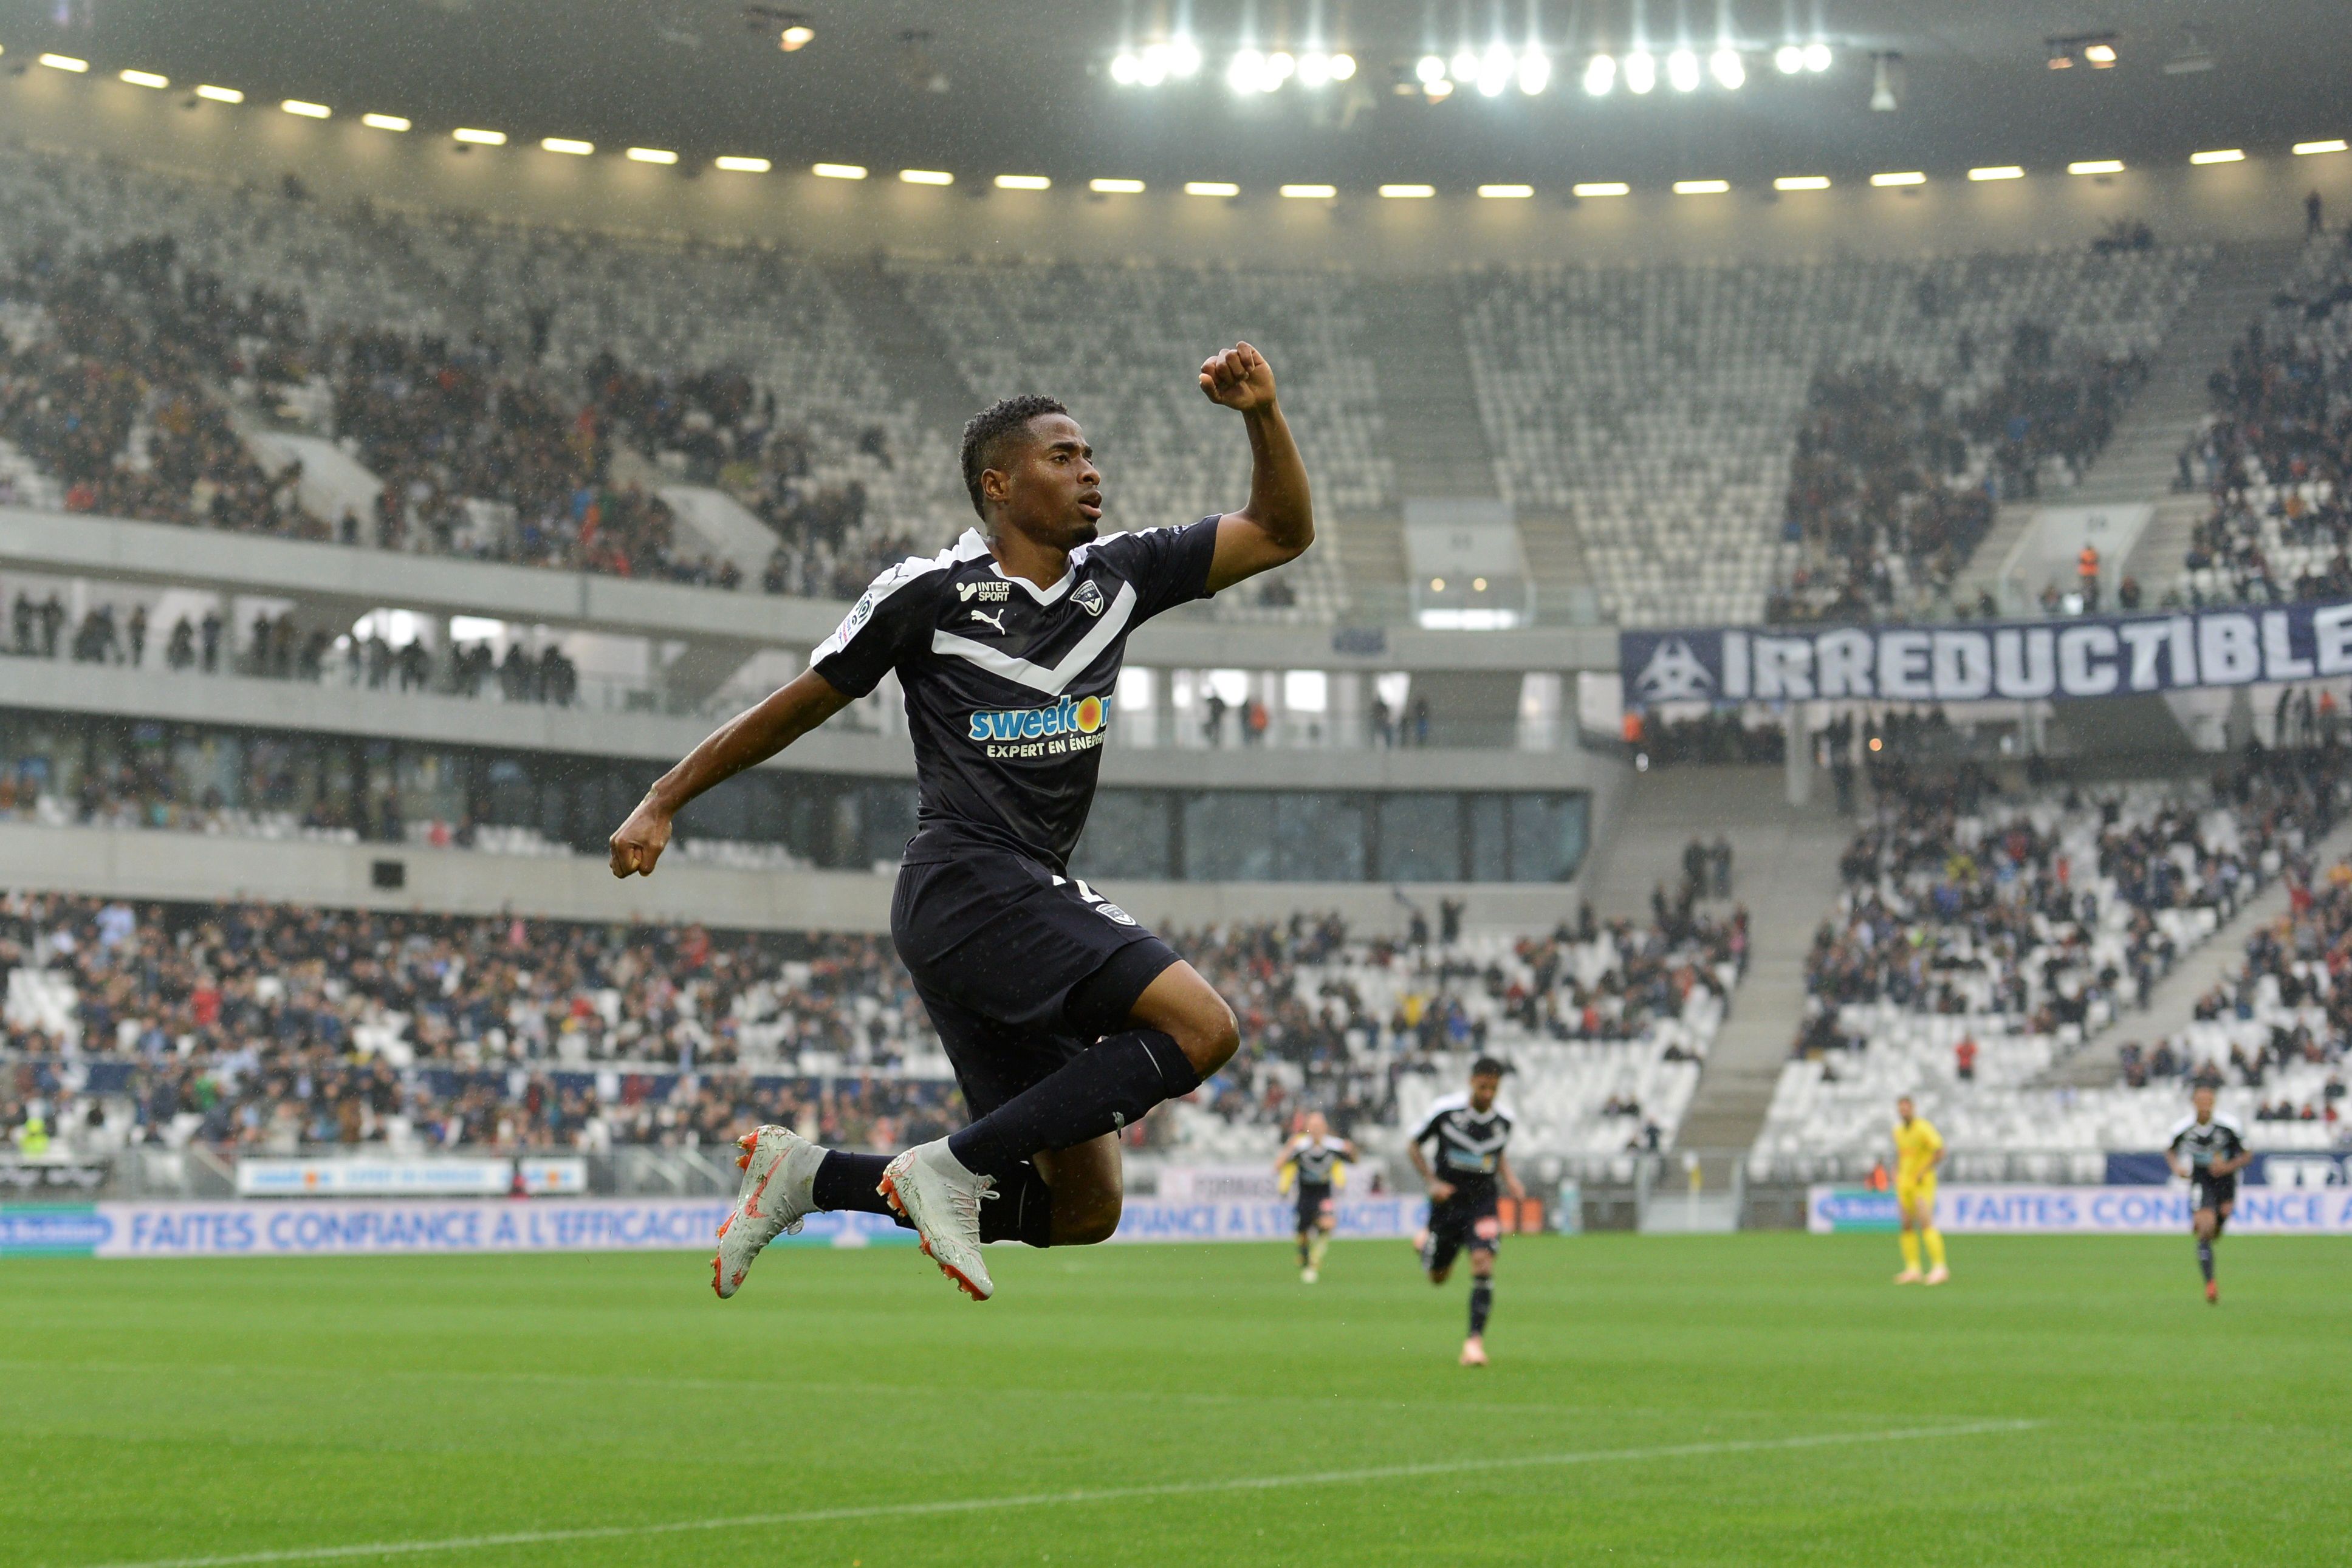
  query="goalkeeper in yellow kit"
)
[{"x": 1918, "y": 1150}]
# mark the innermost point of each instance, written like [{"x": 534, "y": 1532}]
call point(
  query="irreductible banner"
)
[{"x": 2085, "y": 657}]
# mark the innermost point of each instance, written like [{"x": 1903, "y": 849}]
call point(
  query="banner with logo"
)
[
  {"x": 329, "y": 1226},
  {"x": 2088, "y": 656},
  {"x": 2087, "y": 1210},
  {"x": 60, "y": 1178},
  {"x": 438, "y": 1178},
  {"x": 1214, "y": 1181}
]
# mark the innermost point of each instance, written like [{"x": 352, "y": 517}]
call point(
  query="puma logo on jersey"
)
[
  {"x": 996, "y": 619},
  {"x": 986, "y": 592}
]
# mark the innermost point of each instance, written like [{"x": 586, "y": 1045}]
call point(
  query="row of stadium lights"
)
[
  {"x": 1491, "y": 72},
  {"x": 482, "y": 138}
]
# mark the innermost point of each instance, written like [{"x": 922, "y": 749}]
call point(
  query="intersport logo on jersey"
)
[{"x": 1076, "y": 722}]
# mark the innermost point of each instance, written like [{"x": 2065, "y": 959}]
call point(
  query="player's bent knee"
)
[
  {"x": 1094, "y": 1223},
  {"x": 1214, "y": 1036},
  {"x": 1187, "y": 1008}
]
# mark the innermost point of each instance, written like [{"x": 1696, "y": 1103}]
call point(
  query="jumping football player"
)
[
  {"x": 2207, "y": 1151},
  {"x": 1469, "y": 1131},
  {"x": 1316, "y": 1162},
  {"x": 1918, "y": 1150},
  {"x": 1064, "y": 1019}
]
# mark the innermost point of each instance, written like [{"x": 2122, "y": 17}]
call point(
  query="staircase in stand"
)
[{"x": 913, "y": 358}]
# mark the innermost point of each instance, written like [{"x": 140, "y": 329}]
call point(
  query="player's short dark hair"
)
[
  {"x": 984, "y": 435},
  {"x": 1489, "y": 1067}
]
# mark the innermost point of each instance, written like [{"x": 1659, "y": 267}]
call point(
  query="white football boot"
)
[
  {"x": 779, "y": 1171},
  {"x": 942, "y": 1200}
]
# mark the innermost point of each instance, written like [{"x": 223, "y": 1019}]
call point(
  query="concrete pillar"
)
[{"x": 1798, "y": 766}]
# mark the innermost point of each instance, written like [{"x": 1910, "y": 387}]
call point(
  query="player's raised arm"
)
[
  {"x": 1278, "y": 523},
  {"x": 748, "y": 739}
]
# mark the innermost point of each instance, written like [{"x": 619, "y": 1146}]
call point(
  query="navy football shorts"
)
[
  {"x": 1455, "y": 1225},
  {"x": 1314, "y": 1202},
  {"x": 1020, "y": 969},
  {"x": 2207, "y": 1190}
]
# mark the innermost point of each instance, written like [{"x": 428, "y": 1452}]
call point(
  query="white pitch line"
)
[{"x": 1082, "y": 1496}]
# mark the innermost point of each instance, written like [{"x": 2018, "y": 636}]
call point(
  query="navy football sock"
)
[
  {"x": 844, "y": 1180},
  {"x": 1104, "y": 1088},
  {"x": 1481, "y": 1301},
  {"x": 2205, "y": 1260},
  {"x": 1022, "y": 1210}
]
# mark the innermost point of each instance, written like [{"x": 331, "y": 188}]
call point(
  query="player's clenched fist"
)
[
  {"x": 1238, "y": 378},
  {"x": 639, "y": 842}
]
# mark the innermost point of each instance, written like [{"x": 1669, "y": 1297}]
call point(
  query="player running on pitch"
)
[
  {"x": 1064, "y": 1019},
  {"x": 1318, "y": 1163},
  {"x": 1469, "y": 1131},
  {"x": 1918, "y": 1150},
  {"x": 2207, "y": 1151}
]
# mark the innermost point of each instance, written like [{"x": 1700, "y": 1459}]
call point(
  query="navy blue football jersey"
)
[
  {"x": 1010, "y": 686},
  {"x": 1469, "y": 1141}
]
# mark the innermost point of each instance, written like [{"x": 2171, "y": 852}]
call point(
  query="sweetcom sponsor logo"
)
[{"x": 1073, "y": 723}]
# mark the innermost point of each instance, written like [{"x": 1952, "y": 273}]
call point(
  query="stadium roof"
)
[{"x": 1025, "y": 86}]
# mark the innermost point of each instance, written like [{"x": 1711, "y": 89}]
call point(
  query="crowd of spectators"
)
[
  {"x": 1724, "y": 736},
  {"x": 277, "y": 648},
  {"x": 272, "y": 1025},
  {"x": 253, "y": 1025},
  {"x": 1892, "y": 488},
  {"x": 2051, "y": 408},
  {"x": 2283, "y": 1014},
  {"x": 2276, "y": 452},
  {"x": 1958, "y": 902},
  {"x": 1878, "y": 496},
  {"x": 107, "y": 384},
  {"x": 443, "y": 424},
  {"x": 117, "y": 379}
]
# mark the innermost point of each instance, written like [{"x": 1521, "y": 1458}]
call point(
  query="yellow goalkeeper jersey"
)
[{"x": 1915, "y": 1148}]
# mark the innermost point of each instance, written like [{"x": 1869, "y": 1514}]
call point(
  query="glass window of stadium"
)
[
  {"x": 1420, "y": 838},
  {"x": 1129, "y": 832},
  {"x": 1229, "y": 835},
  {"x": 187, "y": 776}
]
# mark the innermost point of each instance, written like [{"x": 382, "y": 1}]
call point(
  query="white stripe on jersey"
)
[
  {"x": 2220, "y": 1122},
  {"x": 1037, "y": 676},
  {"x": 879, "y": 593}
]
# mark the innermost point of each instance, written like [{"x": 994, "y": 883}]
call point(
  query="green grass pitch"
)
[{"x": 1705, "y": 1400}]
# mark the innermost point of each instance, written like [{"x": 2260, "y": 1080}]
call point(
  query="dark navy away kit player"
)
[
  {"x": 1469, "y": 1131},
  {"x": 1066, "y": 1020},
  {"x": 1315, "y": 1162},
  {"x": 2209, "y": 1151}
]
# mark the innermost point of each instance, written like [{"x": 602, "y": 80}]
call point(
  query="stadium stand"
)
[
  {"x": 1979, "y": 940},
  {"x": 1605, "y": 1022},
  {"x": 252, "y": 1026},
  {"x": 1656, "y": 406},
  {"x": 801, "y": 422},
  {"x": 2276, "y": 452},
  {"x": 161, "y": 321},
  {"x": 1123, "y": 343}
]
